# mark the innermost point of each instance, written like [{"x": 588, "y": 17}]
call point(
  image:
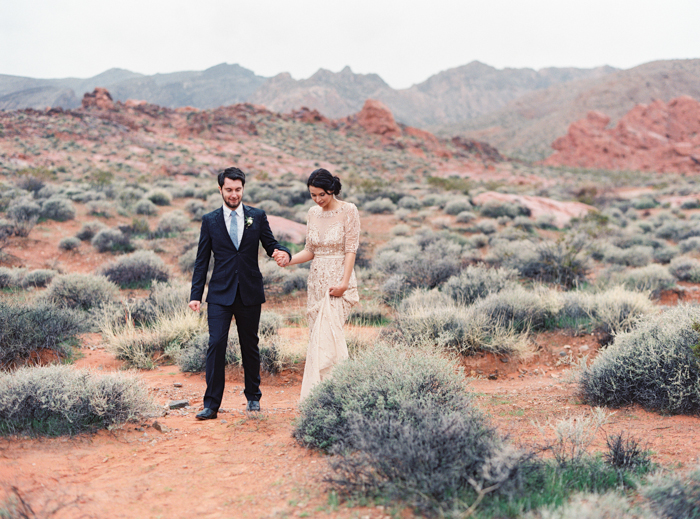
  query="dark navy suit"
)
[{"x": 235, "y": 290}]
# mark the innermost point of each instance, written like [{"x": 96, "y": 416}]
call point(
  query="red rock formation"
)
[
  {"x": 308, "y": 116},
  {"x": 99, "y": 98},
  {"x": 482, "y": 149},
  {"x": 538, "y": 205},
  {"x": 655, "y": 137},
  {"x": 375, "y": 117}
]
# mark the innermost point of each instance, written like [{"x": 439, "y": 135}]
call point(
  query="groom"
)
[{"x": 232, "y": 233}]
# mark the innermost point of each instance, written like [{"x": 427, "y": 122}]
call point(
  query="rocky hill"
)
[
  {"x": 528, "y": 125},
  {"x": 655, "y": 137}
]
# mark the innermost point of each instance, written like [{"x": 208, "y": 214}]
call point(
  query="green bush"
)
[
  {"x": 101, "y": 208},
  {"x": 689, "y": 245},
  {"x": 27, "y": 329},
  {"x": 655, "y": 365},
  {"x": 23, "y": 213},
  {"x": 172, "y": 223},
  {"x": 495, "y": 209},
  {"x": 196, "y": 208},
  {"x": 11, "y": 277},
  {"x": 478, "y": 281},
  {"x": 674, "y": 495},
  {"x": 38, "y": 278},
  {"x": 409, "y": 202},
  {"x": 380, "y": 206},
  {"x": 89, "y": 229},
  {"x": 145, "y": 207},
  {"x": 59, "y": 400},
  {"x": 465, "y": 217},
  {"x": 454, "y": 207},
  {"x": 68, "y": 244},
  {"x": 159, "y": 197},
  {"x": 80, "y": 291},
  {"x": 652, "y": 278},
  {"x": 59, "y": 209},
  {"x": 112, "y": 240},
  {"x": 685, "y": 268},
  {"x": 137, "y": 270}
]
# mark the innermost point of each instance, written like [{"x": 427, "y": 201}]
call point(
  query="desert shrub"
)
[
  {"x": 478, "y": 241},
  {"x": 519, "y": 308},
  {"x": 685, "y": 268},
  {"x": 80, "y": 291},
  {"x": 11, "y": 277},
  {"x": 70, "y": 243},
  {"x": 172, "y": 223},
  {"x": 665, "y": 253},
  {"x": 112, "y": 240},
  {"x": 546, "y": 221},
  {"x": 674, "y": 495},
  {"x": 636, "y": 256},
  {"x": 128, "y": 196},
  {"x": 689, "y": 245},
  {"x": 101, "y": 208},
  {"x": 591, "y": 506},
  {"x": 159, "y": 197},
  {"x": 38, "y": 278},
  {"x": 89, "y": 229},
  {"x": 192, "y": 357},
  {"x": 271, "y": 207},
  {"x": 394, "y": 288},
  {"x": 196, "y": 208},
  {"x": 652, "y": 278},
  {"x": 58, "y": 400},
  {"x": 456, "y": 206},
  {"x": 655, "y": 365},
  {"x": 23, "y": 213},
  {"x": 146, "y": 207},
  {"x": 25, "y": 330},
  {"x": 7, "y": 229},
  {"x": 409, "y": 202},
  {"x": 138, "y": 269},
  {"x": 163, "y": 299},
  {"x": 434, "y": 200},
  {"x": 400, "y": 230},
  {"x": 563, "y": 262},
  {"x": 465, "y": 217},
  {"x": 496, "y": 209},
  {"x": 294, "y": 280},
  {"x": 692, "y": 203},
  {"x": 486, "y": 226},
  {"x": 625, "y": 452},
  {"x": 644, "y": 202},
  {"x": 380, "y": 206},
  {"x": 59, "y": 209},
  {"x": 31, "y": 183},
  {"x": 523, "y": 223},
  {"x": 431, "y": 318},
  {"x": 478, "y": 281},
  {"x": 187, "y": 260}
]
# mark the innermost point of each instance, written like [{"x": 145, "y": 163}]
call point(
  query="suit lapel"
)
[
  {"x": 222, "y": 226},
  {"x": 246, "y": 211}
]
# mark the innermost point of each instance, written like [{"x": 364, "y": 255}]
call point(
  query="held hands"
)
[{"x": 281, "y": 257}]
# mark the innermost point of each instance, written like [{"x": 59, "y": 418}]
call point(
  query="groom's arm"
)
[
  {"x": 269, "y": 243},
  {"x": 201, "y": 265}
]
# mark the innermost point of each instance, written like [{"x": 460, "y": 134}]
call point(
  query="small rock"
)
[
  {"x": 177, "y": 384},
  {"x": 585, "y": 347},
  {"x": 493, "y": 376},
  {"x": 178, "y": 404},
  {"x": 160, "y": 428},
  {"x": 563, "y": 353},
  {"x": 504, "y": 360},
  {"x": 480, "y": 372}
]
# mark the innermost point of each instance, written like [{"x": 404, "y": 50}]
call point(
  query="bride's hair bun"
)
[{"x": 323, "y": 179}]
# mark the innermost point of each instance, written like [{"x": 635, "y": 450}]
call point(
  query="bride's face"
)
[{"x": 320, "y": 196}]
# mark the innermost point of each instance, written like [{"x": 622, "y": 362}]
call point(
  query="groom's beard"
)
[{"x": 230, "y": 205}]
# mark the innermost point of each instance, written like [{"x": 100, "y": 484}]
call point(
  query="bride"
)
[{"x": 332, "y": 238}]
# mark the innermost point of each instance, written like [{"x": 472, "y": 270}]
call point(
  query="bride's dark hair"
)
[{"x": 323, "y": 179}]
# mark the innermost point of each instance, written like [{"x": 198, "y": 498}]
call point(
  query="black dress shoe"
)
[
  {"x": 206, "y": 414},
  {"x": 253, "y": 405}
]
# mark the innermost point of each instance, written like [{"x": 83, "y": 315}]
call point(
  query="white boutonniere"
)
[{"x": 248, "y": 221}]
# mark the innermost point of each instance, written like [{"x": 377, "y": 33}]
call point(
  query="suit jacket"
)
[{"x": 232, "y": 267}]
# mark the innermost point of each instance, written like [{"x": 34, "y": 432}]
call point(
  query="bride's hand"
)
[{"x": 337, "y": 291}]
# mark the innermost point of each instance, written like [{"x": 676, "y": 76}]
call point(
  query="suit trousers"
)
[{"x": 247, "y": 323}]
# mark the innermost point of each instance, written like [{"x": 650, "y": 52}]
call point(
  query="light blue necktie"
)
[{"x": 233, "y": 229}]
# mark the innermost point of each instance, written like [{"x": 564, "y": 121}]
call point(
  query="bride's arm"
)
[{"x": 301, "y": 257}]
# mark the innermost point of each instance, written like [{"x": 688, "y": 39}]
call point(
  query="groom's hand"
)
[
  {"x": 281, "y": 257},
  {"x": 195, "y": 305}
]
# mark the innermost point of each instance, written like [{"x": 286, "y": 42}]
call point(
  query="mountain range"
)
[{"x": 520, "y": 111}]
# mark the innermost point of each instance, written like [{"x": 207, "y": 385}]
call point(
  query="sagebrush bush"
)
[
  {"x": 685, "y": 268},
  {"x": 11, "y": 277},
  {"x": 478, "y": 281},
  {"x": 137, "y": 270},
  {"x": 101, "y": 208},
  {"x": 163, "y": 299},
  {"x": 38, "y": 278},
  {"x": 592, "y": 506},
  {"x": 496, "y": 209},
  {"x": 68, "y": 244},
  {"x": 80, "y": 291},
  {"x": 675, "y": 495},
  {"x": 89, "y": 229},
  {"x": 58, "y": 400},
  {"x": 465, "y": 217},
  {"x": 23, "y": 213},
  {"x": 636, "y": 256},
  {"x": 112, "y": 240},
  {"x": 689, "y": 245},
  {"x": 25, "y": 330},
  {"x": 454, "y": 207},
  {"x": 196, "y": 208},
  {"x": 652, "y": 278},
  {"x": 172, "y": 223},
  {"x": 146, "y": 207},
  {"x": 58, "y": 208},
  {"x": 295, "y": 279},
  {"x": 159, "y": 197},
  {"x": 655, "y": 365},
  {"x": 380, "y": 206},
  {"x": 409, "y": 202}
]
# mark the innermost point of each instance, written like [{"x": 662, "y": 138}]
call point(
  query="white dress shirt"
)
[{"x": 238, "y": 213}]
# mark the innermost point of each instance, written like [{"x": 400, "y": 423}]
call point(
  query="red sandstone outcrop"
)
[
  {"x": 655, "y": 137},
  {"x": 375, "y": 117},
  {"x": 562, "y": 212},
  {"x": 99, "y": 98}
]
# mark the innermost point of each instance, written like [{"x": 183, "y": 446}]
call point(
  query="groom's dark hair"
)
[{"x": 233, "y": 174}]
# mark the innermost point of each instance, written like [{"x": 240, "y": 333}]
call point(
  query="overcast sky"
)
[{"x": 404, "y": 41}]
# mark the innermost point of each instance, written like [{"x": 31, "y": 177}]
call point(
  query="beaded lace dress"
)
[{"x": 329, "y": 235}]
